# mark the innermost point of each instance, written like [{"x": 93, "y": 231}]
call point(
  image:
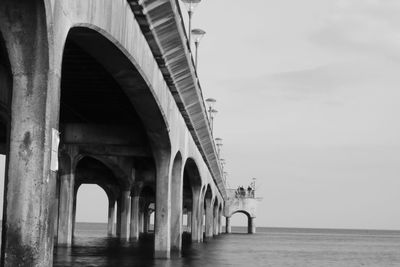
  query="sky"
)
[
  {"x": 308, "y": 103},
  {"x": 307, "y": 98}
]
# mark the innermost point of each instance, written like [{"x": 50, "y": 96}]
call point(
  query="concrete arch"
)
[
  {"x": 123, "y": 67},
  {"x": 191, "y": 169},
  {"x": 91, "y": 169}
]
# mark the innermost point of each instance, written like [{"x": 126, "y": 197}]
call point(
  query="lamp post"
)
[
  {"x": 223, "y": 162},
  {"x": 197, "y": 35},
  {"x": 253, "y": 184},
  {"x": 218, "y": 142},
  {"x": 211, "y": 111},
  {"x": 190, "y": 6}
]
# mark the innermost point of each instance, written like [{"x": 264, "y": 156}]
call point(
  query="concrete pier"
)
[
  {"x": 228, "y": 227},
  {"x": 66, "y": 205},
  {"x": 139, "y": 121},
  {"x": 135, "y": 213},
  {"x": 111, "y": 217},
  {"x": 124, "y": 215}
]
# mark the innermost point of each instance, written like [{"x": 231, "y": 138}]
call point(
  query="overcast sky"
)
[{"x": 308, "y": 99}]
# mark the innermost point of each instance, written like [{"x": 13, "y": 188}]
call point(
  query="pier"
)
[{"x": 105, "y": 92}]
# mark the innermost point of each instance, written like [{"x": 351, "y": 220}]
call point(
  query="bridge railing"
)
[{"x": 241, "y": 193}]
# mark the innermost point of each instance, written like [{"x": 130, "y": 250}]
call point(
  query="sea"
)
[{"x": 275, "y": 247}]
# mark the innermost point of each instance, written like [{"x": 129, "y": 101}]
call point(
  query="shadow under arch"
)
[{"x": 132, "y": 81}]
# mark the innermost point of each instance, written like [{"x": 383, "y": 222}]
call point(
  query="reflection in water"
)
[{"x": 274, "y": 247}]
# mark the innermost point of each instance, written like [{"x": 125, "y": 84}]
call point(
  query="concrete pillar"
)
[
  {"x": 30, "y": 181},
  {"x": 74, "y": 211},
  {"x": 251, "y": 227},
  {"x": 209, "y": 218},
  {"x": 66, "y": 207},
  {"x": 118, "y": 226},
  {"x": 196, "y": 216},
  {"x": 162, "y": 231},
  {"x": 176, "y": 206},
  {"x": 144, "y": 222},
  {"x": 135, "y": 218},
  {"x": 124, "y": 214},
  {"x": 55, "y": 207},
  {"x": 228, "y": 228},
  {"x": 220, "y": 223},
  {"x": 111, "y": 217},
  {"x": 189, "y": 221},
  {"x": 215, "y": 223}
]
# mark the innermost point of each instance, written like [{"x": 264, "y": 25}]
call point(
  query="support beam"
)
[
  {"x": 135, "y": 213},
  {"x": 111, "y": 216},
  {"x": 144, "y": 222},
  {"x": 196, "y": 216},
  {"x": 228, "y": 228},
  {"x": 176, "y": 206},
  {"x": 189, "y": 221},
  {"x": 209, "y": 217},
  {"x": 66, "y": 206},
  {"x": 215, "y": 222},
  {"x": 220, "y": 223},
  {"x": 251, "y": 225},
  {"x": 162, "y": 231},
  {"x": 124, "y": 203},
  {"x": 30, "y": 182}
]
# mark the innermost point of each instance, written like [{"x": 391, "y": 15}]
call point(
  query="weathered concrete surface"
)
[
  {"x": 125, "y": 204},
  {"x": 228, "y": 227},
  {"x": 66, "y": 202},
  {"x": 209, "y": 217},
  {"x": 111, "y": 217},
  {"x": 27, "y": 238},
  {"x": 134, "y": 232},
  {"x": 36, "y": 33},
  {"x": 176, "y": 205},
  {"x": 245, "y": 205}
]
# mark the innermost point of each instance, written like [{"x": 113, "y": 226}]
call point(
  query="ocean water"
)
[{"x": 275, "y": 247}]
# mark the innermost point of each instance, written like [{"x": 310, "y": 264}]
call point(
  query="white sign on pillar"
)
[{"x": 55, "y": 141}]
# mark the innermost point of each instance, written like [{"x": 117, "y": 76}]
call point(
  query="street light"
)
[
  {"x": 197, "y": 35},
  {"x": 218, "y": 142},
  {"x": 190, "y": 6},
  {"x": 211, "y": 111},
  {"x": 223, "y": 162},
  {"x": 225, "y": 178}
]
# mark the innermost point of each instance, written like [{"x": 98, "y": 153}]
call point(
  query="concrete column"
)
[
  {"x": 119, "y": 211},
  {"x": 189, "y": 221},
  {"x": 220, "y": 224},
  {"x": 74, "y": 211},
  {"x": 66, "y": 208},
  {"x": 215, "y": 222},
  {"x": 176, "y": 206},
  {"x": 30, "y": 182},
  {"x": 111, "y": 217},
  {"x": 55, "y": 207},
  {"x": 135, "y": 218},
  {"x": 144, "y": 222},
  {"x": 228, "y": 228},
  {"x": 251, "y": 227},
  {"x": 125, "y": 204},
  {"x": 162, "y": 231},
  {"x": 196, "y": 216},
  {"x": 209, "y": 218}
]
